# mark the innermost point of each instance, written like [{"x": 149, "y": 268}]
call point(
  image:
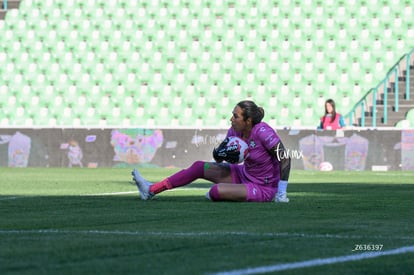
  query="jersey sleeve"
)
[
  {"x": 268, "y": 136},
  {"x": 230, "y": 132}
]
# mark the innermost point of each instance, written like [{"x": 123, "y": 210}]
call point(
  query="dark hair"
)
[
  {"x": 251, "y": 110},
  {"x": 332, "y": 102}
]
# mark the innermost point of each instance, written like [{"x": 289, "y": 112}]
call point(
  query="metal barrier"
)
[
  {"x": 371, "y": 95},
  {"x": 353, "y": 150}
]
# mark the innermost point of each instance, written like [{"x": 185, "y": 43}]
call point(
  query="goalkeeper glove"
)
[{"x": 229, "y": 154}]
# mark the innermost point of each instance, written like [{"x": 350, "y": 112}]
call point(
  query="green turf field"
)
[{"x": 90, "y": 221}]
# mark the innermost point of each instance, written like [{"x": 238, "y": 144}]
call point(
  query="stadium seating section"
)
[{"x": 175, "y": 63}]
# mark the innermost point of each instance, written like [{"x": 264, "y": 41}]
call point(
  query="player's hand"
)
[
  {"x": 219, "y": 157},
  {"x": 229, "y": 154}
]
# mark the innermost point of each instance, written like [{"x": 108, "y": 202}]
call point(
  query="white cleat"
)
[
  {"x": 143, "y": 185},
  {"x": 281, "y": 198}
]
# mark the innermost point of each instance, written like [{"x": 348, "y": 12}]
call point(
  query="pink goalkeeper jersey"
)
[{"x": 260, "y": 167}]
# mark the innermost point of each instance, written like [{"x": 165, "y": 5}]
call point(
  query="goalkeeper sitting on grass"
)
[{"x": 263, "y": 176}]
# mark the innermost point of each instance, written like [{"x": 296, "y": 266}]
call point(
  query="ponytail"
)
[{"x": 251, "y": 110}]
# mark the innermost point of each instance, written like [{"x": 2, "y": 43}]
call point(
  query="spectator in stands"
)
[
  {"x": 331, "y": 120},
  {"x": 262, "y": 177}
]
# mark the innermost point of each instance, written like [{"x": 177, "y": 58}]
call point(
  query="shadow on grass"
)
[{"x": 315, "y": 209}]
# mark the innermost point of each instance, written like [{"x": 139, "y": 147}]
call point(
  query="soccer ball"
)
[
  {"x": 325, "y": 166},
  {"x": 241, "y": 146}
]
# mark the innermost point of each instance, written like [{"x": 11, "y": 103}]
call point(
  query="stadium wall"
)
[{"x": 368, "y": 149}]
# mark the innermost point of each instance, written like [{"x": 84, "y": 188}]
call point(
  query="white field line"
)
[
  {"x": 8, "y": 198},
  {"x": 111, "y": 193},
  {"x": 188, "y": 189},
  {"x": 134, "y": 192},
  {"x": 13, "y": 198},
  {"x": 198, "y": 234},
  {"x": 318, "y": 262},
  {"x": 251, "y": 270}
]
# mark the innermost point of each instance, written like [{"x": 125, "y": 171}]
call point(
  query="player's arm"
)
[
  {"x": 283, "y": 157},
  {"x": 279, "y": 152}
]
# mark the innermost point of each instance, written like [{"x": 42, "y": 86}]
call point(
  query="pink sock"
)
[
  {"x": 214, "y": 193},
  {"x": 180, "y": 178},
  {"x": 159, "y": 186}
]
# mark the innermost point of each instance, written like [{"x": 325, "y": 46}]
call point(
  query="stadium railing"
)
[
  {"x": 9, "y": 4},
  {"x": 6, "y": 5},
  {"x": 359, "y": 109}
]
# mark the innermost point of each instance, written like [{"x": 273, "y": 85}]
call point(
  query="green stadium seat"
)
[
  {"x": 309, "y": 119},
  {"x": 404, "y": 124},
  {"x": 410, "y": 117},
  {"x": 260, "y": 50}
]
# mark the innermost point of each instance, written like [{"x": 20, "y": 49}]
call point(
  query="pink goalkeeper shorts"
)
[{"x": 255, "y": 192}]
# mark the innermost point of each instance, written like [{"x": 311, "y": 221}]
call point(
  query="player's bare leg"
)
[
  {"x": 217, "y": 172},
  {"x": 225, "y": 189},
  {"x": 227, "y": 192}
]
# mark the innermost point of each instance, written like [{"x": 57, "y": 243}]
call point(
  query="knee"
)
[
  {"x": 198, "y": 166},
  {"x": 214, "y": 193}
]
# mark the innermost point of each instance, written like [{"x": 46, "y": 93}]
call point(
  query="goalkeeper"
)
[{"x": 263, "y": 177}]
